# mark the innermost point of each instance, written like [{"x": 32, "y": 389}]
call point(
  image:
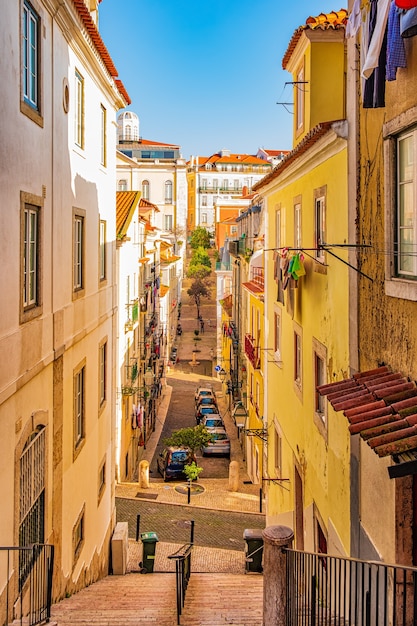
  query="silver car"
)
[
  {"x": 213, "y": 420},
  {"x": 220, "y": 443}
]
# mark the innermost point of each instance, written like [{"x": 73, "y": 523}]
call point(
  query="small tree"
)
[
  {"x": 193, "y": 438},
  {"x": 192, "y": 471},
  {"x": 197, "y": 291},
  {"x": 200, "y": 257},
  {"x": 200, "y": 238}
]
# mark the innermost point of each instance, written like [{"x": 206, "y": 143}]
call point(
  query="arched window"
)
[
  {"x": 145, "y": 189},
  {"x": 168, "y": 192},
  {"x": 128, "y": 131},
  {"x": 123, "y": 184}
]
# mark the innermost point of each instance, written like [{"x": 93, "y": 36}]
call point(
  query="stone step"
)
[
  {"x": 211, "y": 600},
  {"x": 120, "y": 601},
  {"x": 217, "y": 599}
]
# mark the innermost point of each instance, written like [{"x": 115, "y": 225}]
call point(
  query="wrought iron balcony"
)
[
  {"x": 258, "y": 276},
  {"x": 252, "y": 351}
]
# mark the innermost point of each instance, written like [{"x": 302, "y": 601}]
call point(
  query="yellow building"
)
[
  {"x": 307, "y": 469},
  {"x": 384, "y": 192}
]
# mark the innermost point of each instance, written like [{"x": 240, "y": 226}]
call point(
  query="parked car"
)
[
  {"x": 172, "y": 460},
  {"x": 205, "y": 400},
  {"x": 173, "y": 354},
  {"x": 204, "y": 392},
  {"x": 205, "y": 410},
  {"x": 220, "y": 443},
  {"x": 212, "y": 421}
]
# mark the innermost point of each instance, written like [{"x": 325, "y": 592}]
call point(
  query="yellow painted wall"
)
[{"x": 321, "y": 314}]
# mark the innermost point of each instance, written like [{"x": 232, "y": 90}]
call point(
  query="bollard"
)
[
  {"x": 234, "y": 476},
  {"x": 144, "y": 474},
  {"x": 275, "y": 580}
]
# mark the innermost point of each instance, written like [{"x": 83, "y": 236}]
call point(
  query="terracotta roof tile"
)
[
  {"x": 325, "y": 21},
  {"x": 95, "y": 36},
  {"x": 383, "y": 410}
]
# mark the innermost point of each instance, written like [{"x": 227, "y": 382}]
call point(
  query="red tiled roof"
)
[
  {"x": 145, "y": 205},
  {"x": 245, "y": 159},
  {"x": 325, "y": 21},
  {"x": 381, "y": 406},
  {"x": 309, "y": 140},
  {"x": 148, "y": 142},
  {"x": 92, "y": 30}
]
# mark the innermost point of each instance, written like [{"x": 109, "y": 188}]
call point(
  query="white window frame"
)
[
  {"x": 278, "y": 335},
  {"x": 298, "y": 357},
  {"x": 79, "y": 109},
  {"x": 123, "y": 184},
  {"x": 300, "y": 99},
  {"x": 31, "y": 56},
  {"x": 168, "y": 191},
  {"x": 297, "y": 225},
  {"x": 103, "y": 373},
  {"x": 78, "y": 251},
  {"x": 103, "y": 136},
  {"x": 169, "y": 221},
  {"x": 31, "y": 256},
  {"x": 146, "y": 189},
  {"x": 79, "y": 405},
  {"x": 319, "y": 226},
  {"x": 397, "y": 285},
  {"x": 102, "y": 247},
  {"x": 277, "y": 448}
]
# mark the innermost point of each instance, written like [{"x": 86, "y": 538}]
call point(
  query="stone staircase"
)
[{"x": 211, "y": 600}]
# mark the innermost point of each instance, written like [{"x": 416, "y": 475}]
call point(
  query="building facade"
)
[
  {"x": 219, "y": 179},
  {"x": 57, "y": 327}
]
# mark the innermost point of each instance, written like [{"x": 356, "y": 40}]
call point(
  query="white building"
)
[
  {"x": 57, "y": 322},
  {"x": 157, "y": 170},
  {"x": 220, "y": 179}
]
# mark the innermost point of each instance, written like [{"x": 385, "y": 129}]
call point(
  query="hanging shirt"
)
[
  {"x": 395, "y": 44},
  {"x": 377, "y": 38}
]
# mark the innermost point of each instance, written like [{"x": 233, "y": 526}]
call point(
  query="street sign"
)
[{"x": 217, "y": 368}]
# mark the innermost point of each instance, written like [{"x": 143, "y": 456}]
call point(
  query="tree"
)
[
  {"x": 193, "y": 438},
  {"x": 198, "y": 271},
  {"x": 200, "y": 257},
  {"x": 197, "y": 291},
  {"x": 200, "y": 238}
]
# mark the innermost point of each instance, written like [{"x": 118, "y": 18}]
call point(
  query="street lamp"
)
[
  {"x": 239, "y": 414},
  {"x": 222, "y": 375}
]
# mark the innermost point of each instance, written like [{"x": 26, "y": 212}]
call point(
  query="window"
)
[
  {"x": 79, "y": 110},
  {"x": 319, "y": 379},
  {"x": 204, "y": 218},
  {"x": 101, "y": 479},
  {"x": 79, "y": 406},
  {"x": 102, "y": 243},
  {"x": 278, "y": 228},
  {"x": 145, "y": 189},
  {"x": 204, "y": 183},
  {"x": 233, "y": 230},
  {"x": 236, "y": 184},
  {"x": 277, "y": 335},
  {"x": 103, "y": 136},
  {"x": 31, "y": 256},
  {"x": 406, "y": 222},
  {"x": 400, "y": 164},
  {"x": 319, "y": 222},
  {"x": 123, "y": 184},
  {"x": 297, "y": 225},
  {"x": 277, "y": 449},
  {"x": 31, "y": 57},
  {"x": 215, "y": 184},
  {"x": 102, "y": 373},
  {"x": 168, "y": 222},
  {"x": 78, "y": 255},
  {"x": 168, "y": 192},
  {"x": 203, "y": 200},
  {"x": 225, "y": 185},
  {"x": 299, "y": 99},
  {"x": 78, "y": 535},
  {"x": 297, "y": 359}
]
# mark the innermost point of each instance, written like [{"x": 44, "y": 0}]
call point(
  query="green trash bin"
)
[
  {"x": 254, "y": 549},
  {"x": 149, "y": 541}
]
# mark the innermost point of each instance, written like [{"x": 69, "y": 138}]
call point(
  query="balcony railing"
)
[
  {"x": 252, "y": 351},
  {"x": 258, "y": 276},
  {"x": 223, "y": 267},
  {"x": 221, "y": 190}
]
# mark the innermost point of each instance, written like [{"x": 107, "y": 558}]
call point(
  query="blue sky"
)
[{"x": 207, "y": 75}]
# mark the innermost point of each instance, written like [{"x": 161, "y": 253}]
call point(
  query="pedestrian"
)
[{"x": 202, "y": 327}]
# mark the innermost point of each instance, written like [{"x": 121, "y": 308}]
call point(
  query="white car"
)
[
  {"x": 220, "y": 443},
  {"x": 213, "y": 420},
  {"x": 204, "y": 392}
]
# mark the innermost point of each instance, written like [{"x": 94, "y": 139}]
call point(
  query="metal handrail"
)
[
  {"x": 28, "y": 573},
  {"x": 182, "y": 559}
]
